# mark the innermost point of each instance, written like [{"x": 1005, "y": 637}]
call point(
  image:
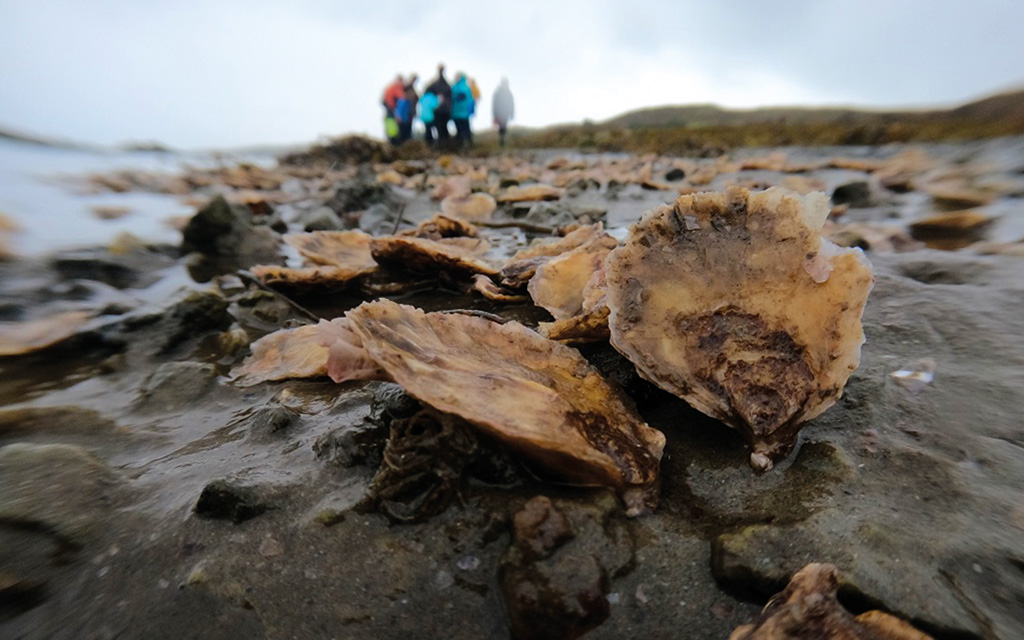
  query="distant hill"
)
[
  {"x": 1003, "y": 107},
  {"x": 709, "y": 130}
]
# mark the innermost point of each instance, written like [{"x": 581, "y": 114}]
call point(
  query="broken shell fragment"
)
[
  {"x": 486, "y": 287},
  {"x": 539, "y": 397},
  {"x": 916, "y": 377},
  {"x": 736, "y": 303},
  {"x": 808, "y": 608}
]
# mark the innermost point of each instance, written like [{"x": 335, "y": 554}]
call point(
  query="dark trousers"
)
[
  {"x": 463, "y": 132},
  {"x": 404, "y": 131},
  {"x": 429, "y": 137},
  {"x": 441, "y": 119},
  {"x": 502, "y": 130}
]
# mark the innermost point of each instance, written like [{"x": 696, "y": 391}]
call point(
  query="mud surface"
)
[{"x": 142, "y": 494}]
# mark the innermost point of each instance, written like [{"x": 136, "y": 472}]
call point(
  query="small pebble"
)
[
  {"x": 443, "y": 580},
  {"x": 468, "y": 563},
  {"x": 270, "y": 547}
]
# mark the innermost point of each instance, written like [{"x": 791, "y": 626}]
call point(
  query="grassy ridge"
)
[{"x": 708, "y": 130}]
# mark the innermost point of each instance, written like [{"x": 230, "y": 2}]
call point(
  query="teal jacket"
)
[
  {"x": 428, "y": 104},
  {"x": 462, "y": 100}
]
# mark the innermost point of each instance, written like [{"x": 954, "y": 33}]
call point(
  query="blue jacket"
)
[
  {"x": 462, "y": 100},
  {"x": 428, "y": 103}
]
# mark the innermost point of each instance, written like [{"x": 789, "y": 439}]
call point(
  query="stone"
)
[
  {"x": 59, "y": 488},
  {"x": 555, "y": 576},
  {"x": 856, "y": 194},
  {"x": 321, "y": 219},
  {"x": 674, "y": 174},
  {"x": 175, "y": 385},
  {"x": 226, "y": 499},
  {"x": 226, "y": 231}
]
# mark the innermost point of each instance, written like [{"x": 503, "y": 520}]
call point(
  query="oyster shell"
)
[
  {"x": 538, "y": 397},
  {"x": 473, "y": 207},
  {"x": 735, "y": 302},
  {"x": 558, "y": 284},
  {"x": 349, "y": 249},
  {"x": 455, "y": 255},
  {"x": 284, "y": 354},
  {"x": 318, "y": 278}
]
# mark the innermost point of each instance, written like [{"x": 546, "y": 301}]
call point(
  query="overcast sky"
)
[{"x": 217, "y": 73}]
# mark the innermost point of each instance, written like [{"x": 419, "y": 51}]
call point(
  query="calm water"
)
[{"x": 40, "y": 189}]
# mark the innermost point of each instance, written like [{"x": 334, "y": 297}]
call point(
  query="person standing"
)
[
  {"x": 409, "y": 116},
  {"x": 463, "y": 106},
  {"x": 440, "y": 88},
  {"x": 503, "y": 107},
  {"x": 392, "y": 94},
  {"x": 428, "y": 105}
]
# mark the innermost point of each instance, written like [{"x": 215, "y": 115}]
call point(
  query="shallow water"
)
[{"x": 41, "y": 189}]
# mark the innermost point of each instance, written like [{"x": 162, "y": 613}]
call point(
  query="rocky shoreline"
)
[{"x": 144, "y": 493}]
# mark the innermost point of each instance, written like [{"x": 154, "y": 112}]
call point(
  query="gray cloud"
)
[{"x": 227, "y": 72}]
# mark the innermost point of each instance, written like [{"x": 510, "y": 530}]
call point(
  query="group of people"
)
[{"x": 440, "y": 104}]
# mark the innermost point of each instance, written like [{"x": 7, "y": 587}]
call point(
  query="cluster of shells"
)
[{"x": 733, "y": 301}]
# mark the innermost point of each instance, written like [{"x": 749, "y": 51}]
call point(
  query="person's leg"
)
[
  {"x": 429, "y": 135},
  {"x": 442, "y": 128},
  {"x": 501, "y": 134}
]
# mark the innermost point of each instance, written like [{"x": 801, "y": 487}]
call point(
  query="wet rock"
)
[
  {"x": 675, "y": 174},
  {"x": 756, "y": 562},
  {"x": 260, "y": 310},
  {"x": 226, "y": 239},
  {"x": 65, "y": 421},
  {"x": 57, "y": 488},
  {"x": 226, "y": 499},
  {"x": 272, "y": 420},
  {"x": 351, "y": 445},
  {"x": 378, "y": 220},
  {"x": 555, "y": 577},
  {"x": 335, "y": 507},
  {"x": 196, "y": 313},
  {"x": 358, "y": 194},
  {"x": 551, "y": 215},
  {"x": 856, "y": 194},
  {"x": 808, "y": 608},
  {"x": 137, "y": 268},
  {"x": 175, "y": 385},
  {"x": 321, "y": 219}
]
